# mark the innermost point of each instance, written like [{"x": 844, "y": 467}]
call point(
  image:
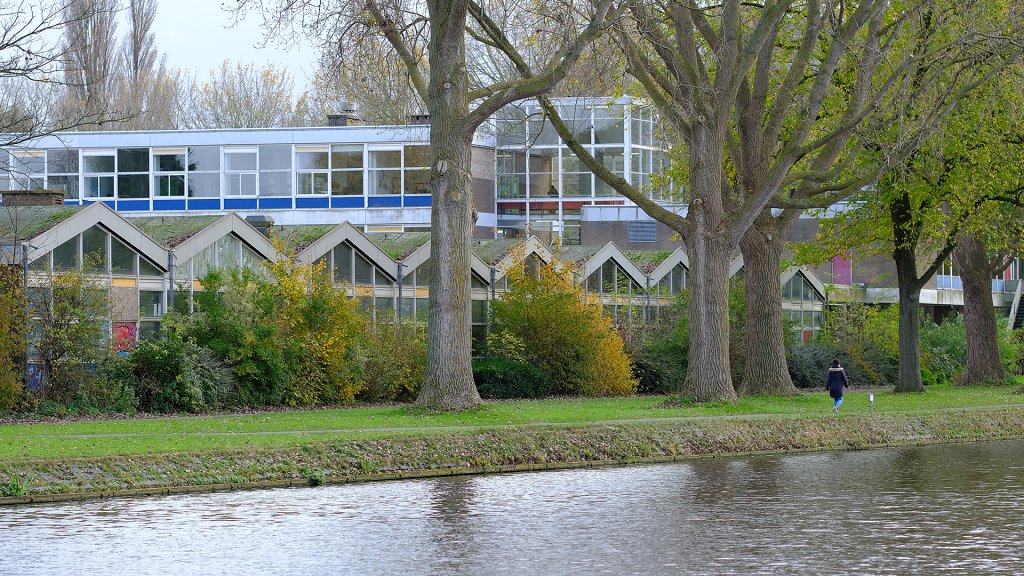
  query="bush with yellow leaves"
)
[{"x": 564, "y": 332}]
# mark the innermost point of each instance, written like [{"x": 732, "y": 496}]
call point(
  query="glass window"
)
[
  {"x": 240, "y": 184},
  {"x": 133, "y": 186},
  {"x": 228, "y": 252},
  {"x": 94, "y": 249},
  {"x": 204, "y": 185},
  {"x": 311, "y": 160},
  {"x": 69, "y": 184},
  {"x": 99, "y": 163},
  {"x": 417, "y": 181},
  {"x": 205, "y": 158},
  {"x": 311, "y": 183},
  {"x": 239, "y": 161},
  {"x": 347, "y": 156},
  {"x": 380, "y": 159},
  {"x": 608, "y": 125},
  {"x": 169, "y": 184},
  {"x": 347, "y": 183},
  {"x": 149, "y": 330},
  {"x": 343, "y": 263},
  {"x": 202, "y": 262},
  {"x": 65, "y": 256},
  {"x": 169, "y": 162},
  {"x": 122, "y": 258},
  {"x": 276, "y": 183},
  {"x": 363, "y": 270},
  {"x": 417, "y": 156},
  {"x": 62, "y": 161},
  {"x": 151, "y": 304},
  {"x": 133, "y": 160},
  {"x": 276, "y": 157}
]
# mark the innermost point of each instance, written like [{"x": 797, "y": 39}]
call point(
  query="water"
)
[{"x": 923, "y": 510}]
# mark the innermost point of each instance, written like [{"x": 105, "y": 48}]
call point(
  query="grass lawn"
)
[{"x": 283, "y": 429}]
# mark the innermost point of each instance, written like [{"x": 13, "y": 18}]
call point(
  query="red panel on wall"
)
[
  {"x": 842, "y": 271},
  {"x": 125, "y": 334}
]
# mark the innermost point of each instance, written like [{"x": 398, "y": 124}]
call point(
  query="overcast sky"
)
[{"x": 196, "y": 36}]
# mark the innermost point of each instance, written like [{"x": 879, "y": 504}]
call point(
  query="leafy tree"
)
[
  {"x": 760, "y": 100},
  {"x": 430, "y": 40},
  {"x": 13, "y": 331}
]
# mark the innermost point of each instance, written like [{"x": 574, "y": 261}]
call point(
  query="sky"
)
[{"x": 197, "y": 35}]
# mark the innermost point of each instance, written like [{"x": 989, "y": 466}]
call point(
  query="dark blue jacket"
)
[{"x": 836, "y": 381}]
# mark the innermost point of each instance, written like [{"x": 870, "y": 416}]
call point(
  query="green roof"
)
[
  {"x": 648, "y": 260},
  {"x": 171, "y": 231},
  {"x": 494, "y": 251},
  {"x": 399, "y": 245},
  {"x": 577, "y": 254},
  {"x": 300, "y": 236},
  {"x": 26, "y": 222}
]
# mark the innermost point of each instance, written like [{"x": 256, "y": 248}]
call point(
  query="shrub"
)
[
  {"x": 13, "y": 325},
  {"x": 944, "y": 349},
  {"x": 565, "y": 333},
  {"x": 504, "y": 378},
  {"x": 809, "y": 363},
  {"x": 235, "y": 318},
  {"x": 172, "y": 375},
  {"x": 392, "y": 360}
]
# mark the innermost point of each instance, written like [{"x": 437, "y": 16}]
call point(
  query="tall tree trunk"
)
[
  {"x": 910, "y": 322},
  {"x": 984, "y": 363},
  {"x": 449, "y": 382},
  {"x": 765, "y": 370},
  {"x": 707, "y": 374}
]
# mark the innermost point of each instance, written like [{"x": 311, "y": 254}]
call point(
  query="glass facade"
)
[
  {"x": 804, "y": 306},
  {"x": 542, "y": 186}
]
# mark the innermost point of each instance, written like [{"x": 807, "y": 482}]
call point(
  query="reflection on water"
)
[{"x": 922, "y": 510}]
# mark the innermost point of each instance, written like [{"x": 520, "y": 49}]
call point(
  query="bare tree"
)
[
  {"x": 242, "y": 96},
  {"x": 145, "y": 86},
  {"x": 90, "y": 49},
  {"x": 35, "y": 66},
  {"x": 432, "y": 46}
]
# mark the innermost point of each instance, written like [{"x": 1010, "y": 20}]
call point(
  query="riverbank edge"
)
[{"x": 488, "y": 451}]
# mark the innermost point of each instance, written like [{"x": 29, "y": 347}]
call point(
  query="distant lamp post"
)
[{"x": 871, "y": 403}]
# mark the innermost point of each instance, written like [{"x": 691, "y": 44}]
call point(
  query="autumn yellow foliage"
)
[{"x": 564, "y": 331}]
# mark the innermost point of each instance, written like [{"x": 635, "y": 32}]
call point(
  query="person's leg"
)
[{"x": 839, "y": 402}]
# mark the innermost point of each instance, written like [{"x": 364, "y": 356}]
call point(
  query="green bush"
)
[
  {"x": 809, "y": 364},
  {"x": 504, "y": 378},
  {"x": 944, "y": 349},
  {"x": 176, "y": 375},
  {"x": 392, "y": 360}
]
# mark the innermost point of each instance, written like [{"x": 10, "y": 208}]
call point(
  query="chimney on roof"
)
[
  {"x": 37, "y": 197},
  {"x": 419, "y": 119},
  {"x": 260, "y": 222},
  {"x": 346, "y": 116}
]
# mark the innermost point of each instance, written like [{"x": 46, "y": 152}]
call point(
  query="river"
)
[{"x": 951, "y": 509}]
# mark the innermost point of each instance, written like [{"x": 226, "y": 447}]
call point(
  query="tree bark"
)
[
  {"x": 766, "y": 370},
  {"x": 448, "y": 383},
  {"x": 984, "y": 363},
  {"x": 910, "y": 322}
]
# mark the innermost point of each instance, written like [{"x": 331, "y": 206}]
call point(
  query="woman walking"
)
[{"x": 837, "y": 380}]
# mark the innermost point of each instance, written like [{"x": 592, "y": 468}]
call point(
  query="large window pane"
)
[
  {"x": 69, "y": 184},
  {"x": 311, "y": 161},
  {"x": 228, "y": 252},
  {"x": 275, "y": 183},
  {"x": 96, "y": 164},
  {"x": 133, "y": 160},
  {"x": 311, "y": 183},
  {"x": 363, "y": 270},
  {"x": 346, "y": 156},
  {"x": 385, "y": 182},
  {"x": 169, "y": 185},
  {"x": 417, "y": 156},
  {"x": 99, "y": 186},
  {"x": 275, "y": 157},
  {"x": 204, "y": 158},
  {"x": 65, "y": 256},
  {"x": 203, "y": 185},
  {"x": 151, "y": 304},
  {"x": 61, "y": 161},
  {"x": 385, "y": 159},
  {"x": 343, "y": 263},
  {"x": 608, "y": 125},
  {"x": 94, "y": 249},
  {"x": 417, "y": 181},
  {"x": 133, "y": 186},
  {"x": 169, "y": 162},
  {"x": 346, "y": 183},
  {"x": 239, "y": 161},
  {"x": 122, "y": 258}
]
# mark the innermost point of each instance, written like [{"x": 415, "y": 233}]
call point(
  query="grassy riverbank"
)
[{"x": 302, "y": 447}]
